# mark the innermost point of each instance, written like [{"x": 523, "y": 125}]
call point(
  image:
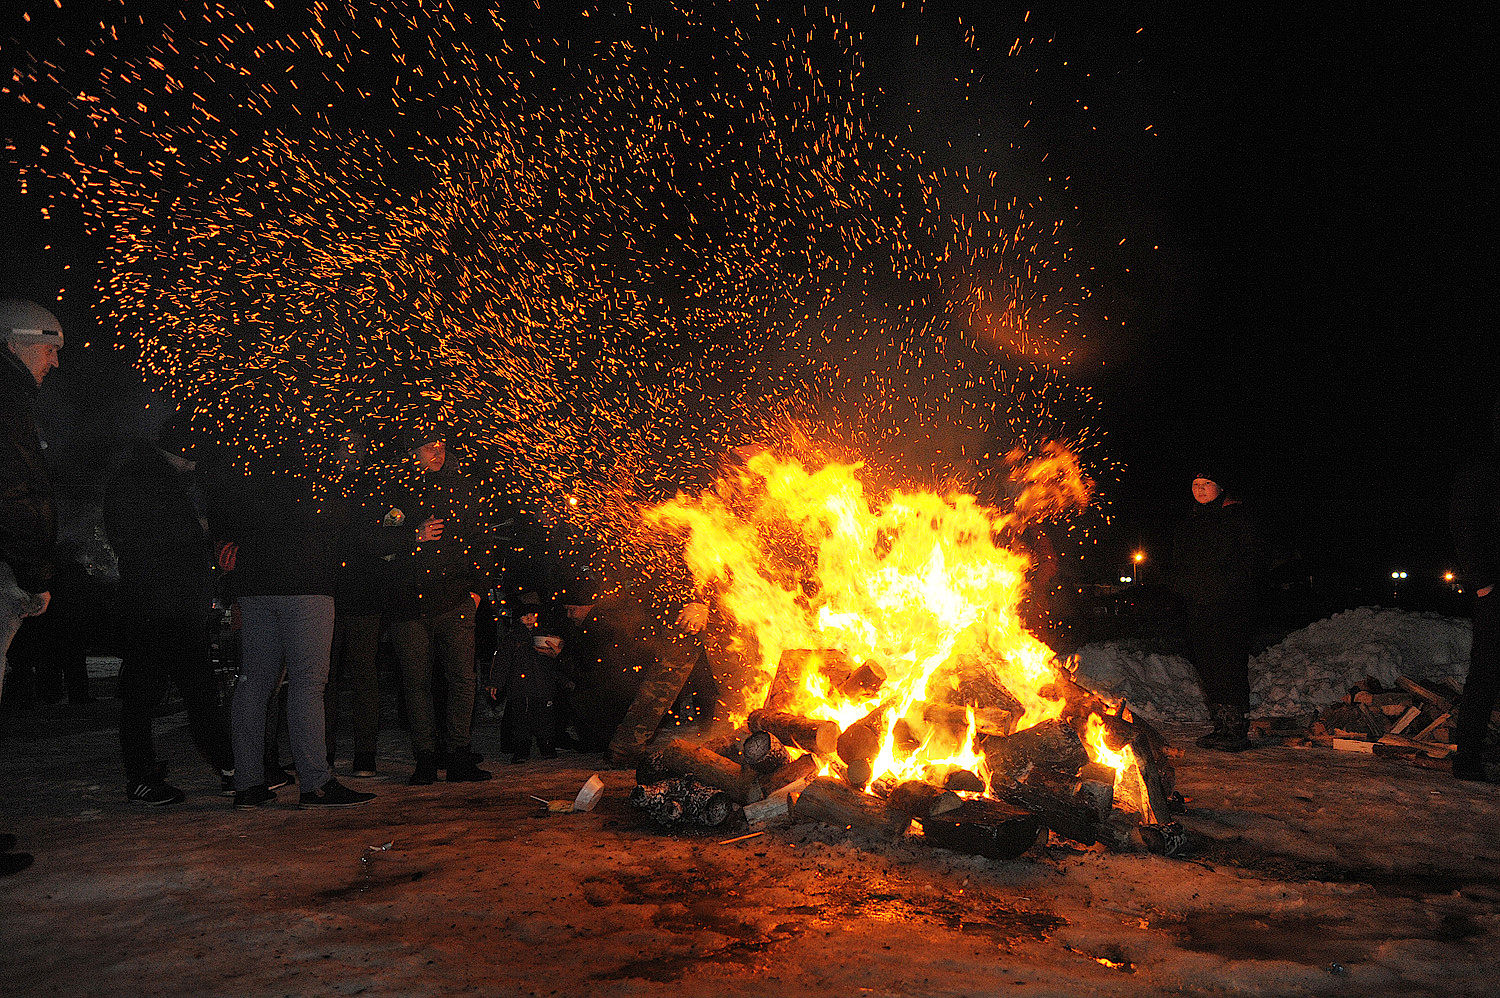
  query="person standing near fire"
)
[
  {"x": 1475, "y": 522},
  {"x": 28, "y": 514},
  {"x": 432, "y": 602},
  {"x": 154, "y": 517},
  {"x": 1217, "y": 564}
]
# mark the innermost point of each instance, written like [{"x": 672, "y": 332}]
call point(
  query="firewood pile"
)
[
  {"x": 1412, "y": 720},
  {"x": 783, "y": 768}
]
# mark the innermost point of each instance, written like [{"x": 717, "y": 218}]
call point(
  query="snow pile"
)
[
  {"x": 1311, "y": 669},
  {"x": 1315, "y": 667},
  {"x": 1159, "y": 687}
]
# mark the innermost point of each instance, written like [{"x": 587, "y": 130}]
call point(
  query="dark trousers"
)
[
  {"x": 532, "y": 718},
  {"x": 356, "y": 643},
  {"x": 1219, "y": 647},
  {"x": 448, "y": 640},
  {"x": 676, "y": 659},
  {"x": 1482, "y": 687},
  {"x": 162, "y": 647}
]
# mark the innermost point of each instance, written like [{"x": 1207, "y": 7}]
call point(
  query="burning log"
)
[
  {"x": 763, "y": 753},
  {"x": 1063, "y": 813},
  {"x": 923, "y": 800},
  {"x": 1096, "y": 789},
  {"x": 683, "y": 758},
  {"x": 954, "y": 718},
  {"x": 804, "y": 767},
  {"x": 807, "y": 734},
  {"x": 984, "y": 827},
  {"x": 905, "y": 738},
  {"x": 963, "y": 781},
  {"x": 792, "y": 669},
  {"x": 978, "y": 688},
  {"x": 863, "y": 682},
  {"x": 836, "y": 804},
  {"x": 1051, "y": 746},
  {"x": 859, "y": 744}
]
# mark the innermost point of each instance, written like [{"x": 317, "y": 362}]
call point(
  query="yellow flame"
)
[{"x": 925, "y": 586}]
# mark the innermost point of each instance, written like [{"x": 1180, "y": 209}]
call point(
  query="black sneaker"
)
[
  {"x": 153, "y": 794},
  {"x": 13, "y": 862},
  {"x": 463, "y": 770},
  {"x": 363, "y": 765},
  {"x": 276, "y": 777},
  {"x": 255, "y": 797},
  {"x": 335, "y": 794}
]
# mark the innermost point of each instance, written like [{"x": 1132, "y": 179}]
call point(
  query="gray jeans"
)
[
  {"x": 298, "y": 629},
  {"x": 16, "y": 604}
]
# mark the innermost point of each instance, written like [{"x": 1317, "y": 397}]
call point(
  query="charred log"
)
[
  {"x": 678, "y": 800},
  {"x": 1096, "y": 789},
  {"x": 1051, "y": 747},
  {"x": 1061, "y": 812},
  {"x": 764, "y": 753},
  {"x": 807, "y": 734},
  {"x": 963, "y": 781},
  {"x": 984, "y": 827},
  {"x": 834, "y": 803},
  {"x": 922, "y": 800},
  {"x": 683, "y": 758},
  {"x": 804, "y": 767}
]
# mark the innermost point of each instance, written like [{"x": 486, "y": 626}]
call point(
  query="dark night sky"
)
[{"x": 1304, "y": 280}]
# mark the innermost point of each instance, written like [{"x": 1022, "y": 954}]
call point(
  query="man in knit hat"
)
[
  {"x": 1475, "y": 521},
  {"x": 1218, "y": 562},
  {"x": 28, "y": 517}
]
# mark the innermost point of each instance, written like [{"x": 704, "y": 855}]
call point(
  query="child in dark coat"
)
[{"x": 528, "y": 674}]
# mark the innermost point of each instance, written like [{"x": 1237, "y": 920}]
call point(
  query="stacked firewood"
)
[
  {"x": 1411, "y": 719},
  {"x": 783, "y": 765}
]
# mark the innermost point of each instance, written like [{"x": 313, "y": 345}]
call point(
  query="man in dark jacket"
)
[
  {"x": 280, "y": 524},
  {"x": 28, "y": 519},
  {"x": 374, "y": 536},
  {"x": 154, "y": 519},
  {"x": 434, "y": 594},
  {"x": 1217, "y": 564},
  {"x": 1475, "y": 520}
]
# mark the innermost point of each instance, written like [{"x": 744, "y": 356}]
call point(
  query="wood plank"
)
[
  {"x": 1344, "y": 744},
  {"x": 1441, "y": 720},
  {"x": 1404, "y": 721}
]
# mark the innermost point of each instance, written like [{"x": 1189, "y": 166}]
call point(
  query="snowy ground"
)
[{"x": 1315, "y": 872}]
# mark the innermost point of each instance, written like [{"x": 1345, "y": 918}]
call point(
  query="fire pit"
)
[{"x": 897, "y": 691}]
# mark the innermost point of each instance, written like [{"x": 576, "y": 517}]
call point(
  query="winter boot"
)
[
  {"x": 463, "y": 767},
  {"x": 426, "y": 771},
  {"x": 1236, "y": 731},
  {"x": 364, "y": 764},
  {"x": 1215, "y": 738}
]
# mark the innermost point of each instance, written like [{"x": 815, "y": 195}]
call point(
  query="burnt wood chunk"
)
[
  {"x": 764, "y": 753},
  {"x": 833, "y": 803},
  {"x": 863, "y": 682},
  {"x": 679, "y": 800},
  {"x": 804, "y": 767},
  {"x": 991, "y": 828},
  {"x": 1052, "y": 747},
  {"x": 963, "y": 781},
  {"x": 682, "y": 758},
  {"x": 806, "y": 733},
  {"x": 1096, "y": 789},
  {"x": 1061, "y": 812},
  {"x": 922, "y": 800}
]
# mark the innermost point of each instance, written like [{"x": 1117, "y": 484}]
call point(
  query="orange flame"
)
[{"x": 926, "y": 587}]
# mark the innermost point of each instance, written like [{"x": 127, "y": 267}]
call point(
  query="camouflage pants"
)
[{"x": 660, "y": 690}]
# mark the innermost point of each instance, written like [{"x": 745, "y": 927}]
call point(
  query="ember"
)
[{"x": 888, "y": 648}]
